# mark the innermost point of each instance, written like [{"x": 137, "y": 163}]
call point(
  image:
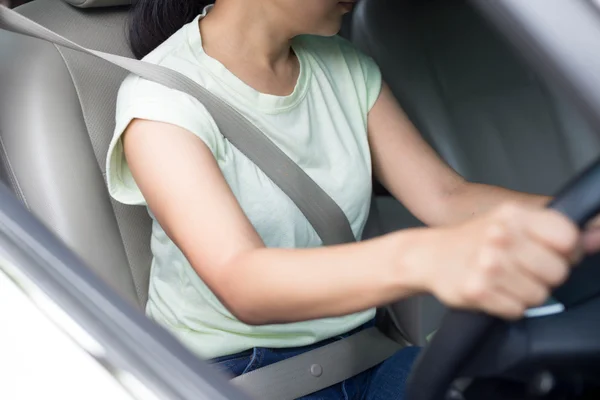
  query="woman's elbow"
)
[
  {"x": 242, "y": 304},
  {"x": 246, "y": 313}
]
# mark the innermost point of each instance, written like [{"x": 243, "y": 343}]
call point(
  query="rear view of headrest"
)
[{"x": 98, "y": 3}]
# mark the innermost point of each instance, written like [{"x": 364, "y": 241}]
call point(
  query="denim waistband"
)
[{"x": 322, "y": 343}]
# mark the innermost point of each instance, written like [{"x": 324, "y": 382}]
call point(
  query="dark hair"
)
[{"x": 151, "y": 22}]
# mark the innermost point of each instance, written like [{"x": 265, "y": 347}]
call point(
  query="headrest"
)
[{"x": 98, "y": 3}]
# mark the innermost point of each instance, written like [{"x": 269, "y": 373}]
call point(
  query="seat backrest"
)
[
  {"x": 56, "y": 120},
  {"x": 484, "y": 111}
]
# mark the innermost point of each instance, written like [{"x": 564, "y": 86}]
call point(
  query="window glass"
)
[{"x": 45, "y": 354}]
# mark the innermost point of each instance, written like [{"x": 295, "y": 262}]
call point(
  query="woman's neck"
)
[
  {"x": 248, "y": 30},
  {"x": 245, "y": 37}
]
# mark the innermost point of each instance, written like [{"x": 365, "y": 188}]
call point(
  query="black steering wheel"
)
[{"x": 472, "y": 344}]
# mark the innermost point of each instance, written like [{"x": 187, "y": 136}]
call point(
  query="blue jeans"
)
[{"x": 385, "y": 381}]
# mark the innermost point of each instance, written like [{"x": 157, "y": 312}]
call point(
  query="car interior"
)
[
  {"x": 476, "y": 102},
  {"x": 470, "y": 94}
]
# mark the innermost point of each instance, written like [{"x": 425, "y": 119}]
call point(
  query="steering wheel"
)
[{"x": 464, "y": 344}]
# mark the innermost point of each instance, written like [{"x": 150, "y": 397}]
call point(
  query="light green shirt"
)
[{"x": 322, "y": 126}]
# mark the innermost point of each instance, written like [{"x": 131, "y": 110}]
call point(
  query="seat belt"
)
[
  {"x": 325, "y": 216},
  {"x": 320, "y": 368},
  {"x": 316, "y": 369}
]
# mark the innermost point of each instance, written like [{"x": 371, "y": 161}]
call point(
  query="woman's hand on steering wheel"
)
[{"x": 503, "y": 262}]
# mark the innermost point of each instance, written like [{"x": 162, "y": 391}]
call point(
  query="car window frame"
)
[{"x": 132, "y": 342}]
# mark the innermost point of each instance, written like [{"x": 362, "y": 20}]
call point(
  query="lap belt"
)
[
  {"x": 320, "y": 368},
  {"x": 317, "y": 369}
]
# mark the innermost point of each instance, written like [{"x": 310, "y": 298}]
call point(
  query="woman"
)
[{"x": 238, "y": 273}]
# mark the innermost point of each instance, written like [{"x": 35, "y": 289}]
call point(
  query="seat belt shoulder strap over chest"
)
[
  {"x": 325, "y": 216},
  {"x": 311, "y": 371}
]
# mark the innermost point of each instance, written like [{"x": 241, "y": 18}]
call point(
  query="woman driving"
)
[{"x": 238, "y": 274}]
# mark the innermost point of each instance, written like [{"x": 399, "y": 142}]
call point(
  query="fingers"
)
[
  {"x": 539, "y": 263},
  {"x": 524, "y": 254},
  {"x": 525, "y": 291},
  {"x": 517, "y": 255},
  {"x": 478, "y": 293},
  {"x": 503, "y": 305},
  {"x": 555, "y": 231},
  {"x": 547, "y": 227},
  {"x": 503, "y": 274}
]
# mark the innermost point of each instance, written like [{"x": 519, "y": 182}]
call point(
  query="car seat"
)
[
  {"x": 473, "y": 99},
  {"x": 56, "y": 120}
]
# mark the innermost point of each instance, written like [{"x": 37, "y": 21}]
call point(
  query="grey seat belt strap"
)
[
  {"x": 325, "y": 216},
  {"x": 311, "y": 371},
  {"x": 319, "y": 368}
]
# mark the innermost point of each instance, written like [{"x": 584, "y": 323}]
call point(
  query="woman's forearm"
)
[
  {"x": 267, "y": 286},
  {"x": 472, "y": 199}
]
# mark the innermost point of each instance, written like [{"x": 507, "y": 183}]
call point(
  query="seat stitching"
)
[
  {"x": 12, "y": 176},
  {"x": 86, "y": 122}
]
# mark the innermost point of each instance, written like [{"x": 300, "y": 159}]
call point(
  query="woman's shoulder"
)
[
  {"x": 175, "y": 54},
  {"x": 136, "y": 91},
  {"x": 176, "y": 46},
  {"x": 330, "y": 47},
  {"x": 346, "y": 65},
  {"x": 145, "y": 99},
  {"x": 338, "y": 55}
]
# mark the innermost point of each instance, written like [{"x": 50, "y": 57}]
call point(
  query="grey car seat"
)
[
  {"x": 486, "y": 113},
  {"x": 55, "y": 121}
]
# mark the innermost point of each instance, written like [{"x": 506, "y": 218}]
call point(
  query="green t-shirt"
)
[{"x": 322, "y": 126}]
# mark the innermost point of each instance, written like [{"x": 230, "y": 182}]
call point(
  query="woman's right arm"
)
[{"x": 502, "y": 262}]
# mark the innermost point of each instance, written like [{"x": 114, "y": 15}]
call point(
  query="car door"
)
[{"x": 70, "y": 333}]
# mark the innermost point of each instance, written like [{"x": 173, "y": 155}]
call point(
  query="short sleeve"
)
[
  {"x": 143, "y": 99},
  {"x": 373, "y": 79},
  {"x": 364, "y": 71}
]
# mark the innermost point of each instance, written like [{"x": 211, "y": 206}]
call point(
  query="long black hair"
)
[{"x": 151, "y": 22}]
